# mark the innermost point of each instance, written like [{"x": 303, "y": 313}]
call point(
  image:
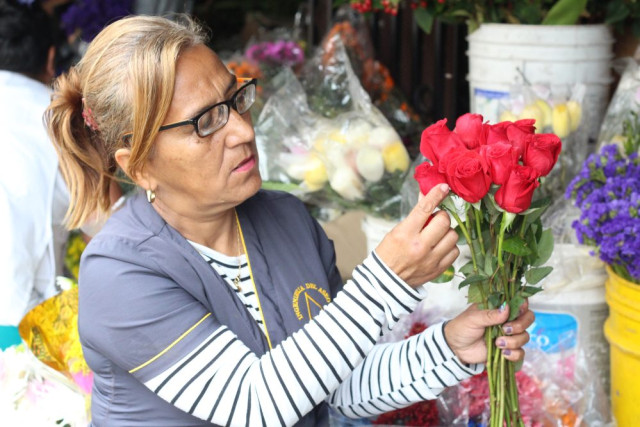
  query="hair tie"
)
[{"x": 89, "y": 119}]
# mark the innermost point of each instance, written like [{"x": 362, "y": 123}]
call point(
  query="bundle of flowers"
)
[
  {"x": 50, "y": 330},
  {"x": 87, "y": 17},
  {"x": 607, "y": 192},
  {"x": 32, "y": 394},
  {"x": 279, "y": 53},
  {"x": 338, "y": 151},
  {"x": 493, "y": 172}
]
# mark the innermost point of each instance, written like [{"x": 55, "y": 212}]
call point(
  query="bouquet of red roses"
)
[{"x": 493, "y": 172}]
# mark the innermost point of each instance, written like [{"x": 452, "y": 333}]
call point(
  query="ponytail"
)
[{"x": 86, "y": 165}]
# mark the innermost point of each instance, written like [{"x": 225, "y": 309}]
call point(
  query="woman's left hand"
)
[{"x": 465, "y": 333}]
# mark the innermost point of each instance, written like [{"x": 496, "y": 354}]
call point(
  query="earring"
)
[{"x": 151, "y": 196}]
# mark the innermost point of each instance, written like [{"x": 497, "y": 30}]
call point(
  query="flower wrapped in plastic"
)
[
  {"x": 323, "y": 137},
  {"x": 33, "y": 394},
  {"x": 556, "y": 109},
  {"x": 50, "y": 330}
]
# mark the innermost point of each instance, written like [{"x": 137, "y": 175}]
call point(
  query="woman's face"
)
[{"x": 196, "y": 176}]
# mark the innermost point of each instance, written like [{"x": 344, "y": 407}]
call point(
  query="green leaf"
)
[
  {"x": 445, "y": 277},
  {"x": 545, "y": 248},
  {"x": 514, "y": 306},
  {"x": 528, "y": 291},
  {"x": 616, "y": 12},
  {"x": 565, "y": 12},
  {"x": 467, "y": 269},
  {"x": 472, "y": 279},
  {"x": 495, "y": 300},
  {"x": 534, "y": 275},
  {"x": 424, "y": 19},
  {"x": 476, "y": 293},
  {"x": 490, "y": 264},
  {"x": 515, "y": 245}
]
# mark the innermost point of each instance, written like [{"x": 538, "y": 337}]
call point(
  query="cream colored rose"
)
[
  {"x": 395, "y": 157},
  {"x": 370, "y": 164},
  {"x": 561, "y": 121},
  {"x": 358, "y": 133},
  {"x": 346, "y": 183}
]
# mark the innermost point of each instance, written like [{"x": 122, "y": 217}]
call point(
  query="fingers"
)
[
  {"x": 516, "y": 335},
  {"x": 425, "y": 207}
]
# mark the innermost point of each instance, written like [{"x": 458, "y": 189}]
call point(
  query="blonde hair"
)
[{"x": 125, "y": 81}]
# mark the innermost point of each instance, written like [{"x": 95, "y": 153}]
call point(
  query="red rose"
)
[
  {"x": 501, "y": 157},
  {"x": 428, "y": 177},
  {"x": 437, "y": 140},
  {"x": 526, "y": 125},
  {"x": 542, "y": 153},
  {"x": 519, "y": 138},
  {"x": 496, "y": 133},
  {"x": 469, "y": 128},
  {"x": 467, "y": 173},
  {"x": 515, "y": 195}
]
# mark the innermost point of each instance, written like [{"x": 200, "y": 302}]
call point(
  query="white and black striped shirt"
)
[
  {"x": 228, "y": 267},
  {"x": 334, "y": 357}
]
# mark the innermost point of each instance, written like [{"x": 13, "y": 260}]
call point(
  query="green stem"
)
[
  {"x": 490, "y": 364},
  {"x": 476, "y": 213},
  {"x": 501, "y": 394},
  {"x": 467, "y": 237}
]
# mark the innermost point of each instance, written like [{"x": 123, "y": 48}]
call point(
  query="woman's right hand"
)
[{"x": 419, "y": 253}]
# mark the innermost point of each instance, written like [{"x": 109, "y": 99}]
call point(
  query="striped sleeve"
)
[
  {"x": 221, "y": 381},
  {"x": 396, "y": 375}
]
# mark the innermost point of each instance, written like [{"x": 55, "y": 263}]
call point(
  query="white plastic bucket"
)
[
  {"x": 571, "y": 311},
  {"x": 501, "y": 55}
]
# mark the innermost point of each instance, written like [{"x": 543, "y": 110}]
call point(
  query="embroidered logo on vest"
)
[{"x": 308, "y": 300}]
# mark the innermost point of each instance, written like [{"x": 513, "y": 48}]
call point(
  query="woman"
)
[{"x": 208, "y": 300}]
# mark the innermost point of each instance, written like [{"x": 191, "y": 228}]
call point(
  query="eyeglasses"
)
[{"x": 217, "y": 115}]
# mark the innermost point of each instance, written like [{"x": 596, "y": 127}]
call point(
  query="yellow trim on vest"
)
[
  {"x": 170, "y": 345},
  {"x": 255, "y": 289}
]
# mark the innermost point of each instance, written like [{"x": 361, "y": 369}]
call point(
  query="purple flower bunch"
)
[
  {"x": 90, "y": 16},
  {"x": 607, "y": 192},
  {"x": 278, "y": 53}
]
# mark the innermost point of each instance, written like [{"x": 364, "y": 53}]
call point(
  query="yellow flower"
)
[
  {"x": 533, "y": 111},
  {"x": 395, "y": 157},
  {"x": 508, "y": 116},
  {"x": 561, "y": 121},
  {"x": 316, "y": 174},
  {"x": 575, "y": 113},
  {"x": 546, "y": 113}
]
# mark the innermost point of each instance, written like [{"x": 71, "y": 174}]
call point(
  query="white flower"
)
[
  {"x": 370, "y": 164},
  {"x": 383, "y": 135},
  {"x": 346, "y": 183}
]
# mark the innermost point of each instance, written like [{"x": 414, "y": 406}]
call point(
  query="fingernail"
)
[
  {"x": 444, "y": 187},
  {"x": 506, "y": 352},
  {"x": 508, "y": 330},
  {"x": 503, "y": 307},
  {"x": 501, "y": 343}
]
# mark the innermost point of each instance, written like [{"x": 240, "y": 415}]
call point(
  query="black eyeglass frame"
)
[{"x": 230, "y": 103}]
